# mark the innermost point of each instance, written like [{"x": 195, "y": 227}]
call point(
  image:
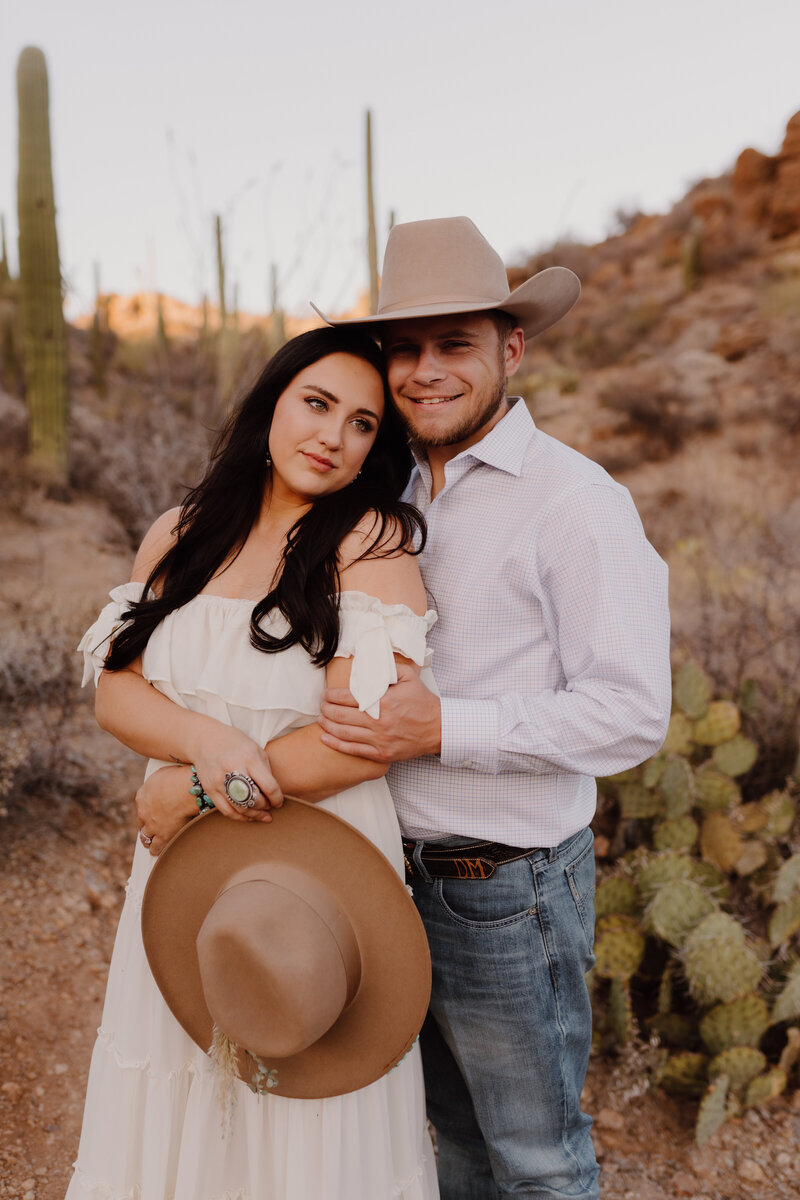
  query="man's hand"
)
[{"x": 410, "y": 723}]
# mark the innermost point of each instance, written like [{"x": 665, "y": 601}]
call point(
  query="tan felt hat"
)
[
  {"x": 297, "y": 939},
  {"x": 432, "y": 268}
]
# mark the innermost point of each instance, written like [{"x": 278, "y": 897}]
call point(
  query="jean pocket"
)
[
  {"x": 507, "y": 898},
  {"x": 581, "y": 876}
]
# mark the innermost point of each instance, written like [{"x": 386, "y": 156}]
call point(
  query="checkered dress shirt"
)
[{"x": 551, "y": 651}]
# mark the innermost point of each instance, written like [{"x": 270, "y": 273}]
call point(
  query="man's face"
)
[{"x": 448, "y": 376}]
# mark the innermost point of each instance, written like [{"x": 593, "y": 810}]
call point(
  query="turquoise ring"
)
[{"x": 240, "y": 789}]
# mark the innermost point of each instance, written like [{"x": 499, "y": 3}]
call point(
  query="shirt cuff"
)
[{"x": 471, "y": 735}]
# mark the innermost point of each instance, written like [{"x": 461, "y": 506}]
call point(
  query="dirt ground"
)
[{"x": 63, "y": 868}]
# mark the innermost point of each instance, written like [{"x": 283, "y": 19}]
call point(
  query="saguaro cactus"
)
[
  {"x": 372, "y": 241},
  {"x": 43, "y": 330}
]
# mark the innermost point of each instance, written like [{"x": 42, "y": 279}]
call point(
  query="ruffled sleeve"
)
[
  {"x": 96, "y": 642},
  {"x": 371, "y": 633}
]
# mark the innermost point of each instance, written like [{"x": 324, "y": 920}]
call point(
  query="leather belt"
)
[{"x": 479, "y": 860}]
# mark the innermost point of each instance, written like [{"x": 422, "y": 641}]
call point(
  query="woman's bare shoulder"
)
[
  {"x": 155, "y": 544},
  {"x": 380, "y": 562}
]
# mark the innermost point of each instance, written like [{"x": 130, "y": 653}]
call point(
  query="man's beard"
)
[{"x": 465, "y": 429}]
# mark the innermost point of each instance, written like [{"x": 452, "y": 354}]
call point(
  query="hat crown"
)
[
  {"x": 276, "y": 942},
  {"x": 441, "y": 261}
]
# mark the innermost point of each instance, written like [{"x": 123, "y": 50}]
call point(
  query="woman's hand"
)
[
  {"x": 224, "y": 750},
  {"x": 164, "y": 805}
]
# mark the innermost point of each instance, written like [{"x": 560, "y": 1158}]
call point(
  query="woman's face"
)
[{"x": 324, "y": 425}]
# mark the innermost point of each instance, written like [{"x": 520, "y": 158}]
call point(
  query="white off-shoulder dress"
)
[{"x": 153, "y": 1126}]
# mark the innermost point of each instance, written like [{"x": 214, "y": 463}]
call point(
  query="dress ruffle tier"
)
[{"x": 154, "y": 1127}]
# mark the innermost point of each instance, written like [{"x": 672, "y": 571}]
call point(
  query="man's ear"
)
[{"x": 515, "y": 348}]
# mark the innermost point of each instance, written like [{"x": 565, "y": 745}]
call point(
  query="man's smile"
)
[{"x": 433, "y": 399}]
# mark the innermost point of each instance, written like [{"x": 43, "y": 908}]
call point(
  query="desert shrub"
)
[
  {"x": 736, "y": 609},
  {"x": 698, "y": 916},
  {"x": 652, "y": 398},
  {"x": 39, "y": 696},
  {"x": 139, "y": 463}
]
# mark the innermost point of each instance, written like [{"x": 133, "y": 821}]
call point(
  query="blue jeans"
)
[{"x": 506, "y": 1042}]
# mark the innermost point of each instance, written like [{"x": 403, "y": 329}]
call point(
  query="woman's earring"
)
[{"x": 268, "y": 461}]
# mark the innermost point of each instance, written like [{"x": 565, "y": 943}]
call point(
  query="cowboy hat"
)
[
  {"x": 432, "y": 268},
  {"x": 297, "y": 940}
]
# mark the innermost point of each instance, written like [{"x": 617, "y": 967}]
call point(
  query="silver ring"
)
[
  {"x": 144, "y": 839},
  {"x": 240, "y": 789}
]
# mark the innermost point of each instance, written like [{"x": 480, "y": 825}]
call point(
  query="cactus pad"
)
[
  {"x": 718, "y": 962},
  {"x": 765, "y": 1087},
  {"x": 740, "y": 1064},
  {"x": 718, "y": 724},
  {"x": 615, "y": 895},
  {"x": 661, "y": 869},
  {"x": 752, "y": 858},
  {"x": 715, "y": 1108},
  {"x": 736, "y": 756},
  {"x": 715, "y": 792},
  {"x": 676, "y": 909},
  {"x": 787, "y": 1006},
  {"x": 679, "y": 734},
  {"x": 685, "y": 1074},
  {"x": 637, "y": 801},
  {"x": 674, "y": 1029},
  {"x": 720, "y": 841},
  {"x": 652, "y": 770},
  {"x": 752, "y": 818},
  {"x": 618, "y": 947},
  {"x": 710, "y": 878},
  {"x": 620, "y": 1012},
  {"x": 692, "y": 690},
  {"x": 680, "y": 833},
  {"x": 740, "y": 1023},
  {"x": 677, "y": 787},
  {"x": 784, "y": 921},
  {"x": 787, "y": 880},
  {"x": 781, "y": 812}
]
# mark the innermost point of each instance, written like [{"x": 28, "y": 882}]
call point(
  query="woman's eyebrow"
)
[{"x": 309, "y": 387}]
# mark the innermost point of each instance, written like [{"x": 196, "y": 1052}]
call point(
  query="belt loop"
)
[
  {"x": 419, "y": 864},
  {"x": 552, "y": 853}
]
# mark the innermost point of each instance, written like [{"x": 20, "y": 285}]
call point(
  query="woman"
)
[{"x": 287, "y": 561}]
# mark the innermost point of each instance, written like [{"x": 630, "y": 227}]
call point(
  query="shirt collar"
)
[{"x": 504, "y": 446}]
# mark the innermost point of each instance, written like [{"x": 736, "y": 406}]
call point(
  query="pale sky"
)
[{"x": 535, "y": 119}]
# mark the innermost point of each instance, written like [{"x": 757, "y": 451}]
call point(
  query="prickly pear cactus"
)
[
  {"x": 698, "y": 931},
  {"x": 718, "y": 962},
  {"x": 719, "y": 723},
  {"x": 742, "y": 1022},
  {"x": 43, "y": 331},
  {"x": 740, "y": 1064}
]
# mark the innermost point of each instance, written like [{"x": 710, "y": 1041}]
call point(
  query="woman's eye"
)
[
  {"x": 317, "y": 403},
  {"x": 362, "y": 426}
]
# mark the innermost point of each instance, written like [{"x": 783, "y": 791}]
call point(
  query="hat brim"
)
[
  {"x": 380, "y": 1025},
  {"x": 537, "y": 304}
]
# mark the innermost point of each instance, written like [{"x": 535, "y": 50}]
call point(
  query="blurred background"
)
[{"x": 176, "y": 184}]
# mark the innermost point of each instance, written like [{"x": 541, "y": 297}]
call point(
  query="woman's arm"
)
[
  {"x": 303, "y": 765},
  {"x": 146, "y": 721}
]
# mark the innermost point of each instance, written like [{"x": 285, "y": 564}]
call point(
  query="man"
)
[{"x": 551, "y": 656}]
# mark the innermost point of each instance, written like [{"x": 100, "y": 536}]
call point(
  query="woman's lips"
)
[{"x": 320, "y": 464}]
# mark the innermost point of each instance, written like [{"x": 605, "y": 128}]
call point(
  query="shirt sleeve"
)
[{"x": 603, "y": 591}]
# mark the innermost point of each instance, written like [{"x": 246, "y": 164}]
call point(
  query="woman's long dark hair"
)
[{"x": 219, "y": 513}]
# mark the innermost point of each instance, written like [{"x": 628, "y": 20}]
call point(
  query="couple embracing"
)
[{"x": 274, "y": 642}]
